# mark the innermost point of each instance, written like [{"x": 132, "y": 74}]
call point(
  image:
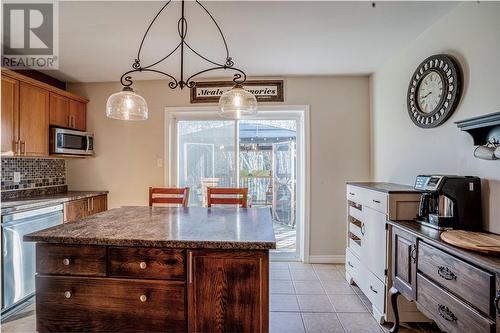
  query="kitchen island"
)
[{"x": 144, "y": 269}]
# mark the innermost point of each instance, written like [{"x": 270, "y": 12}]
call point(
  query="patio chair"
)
[
  {"x": 218, "y": 196},
  {"x": 163, "y": 195}
]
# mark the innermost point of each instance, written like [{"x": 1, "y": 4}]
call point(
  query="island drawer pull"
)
[
  {"x": 66, "y": 261},
  {"x": 143, "y": 265},
  {"x": 67, "y": 294},
  {"x": 143, "y": 298}
]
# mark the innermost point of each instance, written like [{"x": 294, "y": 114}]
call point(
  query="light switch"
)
[
  {"x": 17, "y": 177},
  {"x": 159, "y": 162}
]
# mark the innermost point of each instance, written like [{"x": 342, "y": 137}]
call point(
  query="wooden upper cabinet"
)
[
  {"x": 59, "y": 110},
  {"x": 33, "y": 120},
  {"x": 10, "y": 115},
  {"x": 78, "y": 115},
  {"x": 68, "y": 113}
]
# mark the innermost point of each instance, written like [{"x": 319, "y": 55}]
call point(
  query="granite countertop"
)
[
  {"x": 194, "y": 227},
  {"x": 385, "y": 187},
  {"x": 17, "y": 205},
  {"x": 432, "y": 236}
]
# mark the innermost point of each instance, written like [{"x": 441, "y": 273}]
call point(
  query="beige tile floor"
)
[{"x": 304, "y": 298}]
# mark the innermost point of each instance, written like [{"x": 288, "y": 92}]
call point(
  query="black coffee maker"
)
[{"x": 450, "y": 202}]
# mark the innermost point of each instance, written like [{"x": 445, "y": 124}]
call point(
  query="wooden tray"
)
[{"x": 474, "y": 241}]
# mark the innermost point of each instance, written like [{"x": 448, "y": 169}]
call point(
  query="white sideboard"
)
[{"x": 369, "y": 205}]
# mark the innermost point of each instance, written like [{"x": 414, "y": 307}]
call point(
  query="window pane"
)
[{"x": 206, "y": 157}]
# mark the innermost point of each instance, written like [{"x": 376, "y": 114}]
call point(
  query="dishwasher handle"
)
[{"x": 31, "y": 213}]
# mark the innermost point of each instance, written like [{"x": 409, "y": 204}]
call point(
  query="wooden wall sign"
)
[{"x": 264, "y": 90}]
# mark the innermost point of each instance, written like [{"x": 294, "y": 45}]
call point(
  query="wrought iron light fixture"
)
[{"x": 128, "y": 105}]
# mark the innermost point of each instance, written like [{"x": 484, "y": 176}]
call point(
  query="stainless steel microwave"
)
[{"x": 64, "y": 141}]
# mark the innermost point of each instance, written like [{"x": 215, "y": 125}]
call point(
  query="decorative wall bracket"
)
[{"x": 483, "y": 129}]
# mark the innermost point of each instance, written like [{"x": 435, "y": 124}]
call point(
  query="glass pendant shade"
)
[
  {"x": 127, "y": 105},
  {"x": 237, "y": 103}
]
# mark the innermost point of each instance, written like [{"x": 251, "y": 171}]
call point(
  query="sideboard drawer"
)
[
  {"x": 449, "y": 312},
  {"x": 70, "y": 259},
  {"x": 69, "y": 304},
  {"x": 148, "y": 263},
  {"x": 472, "y": 284}
]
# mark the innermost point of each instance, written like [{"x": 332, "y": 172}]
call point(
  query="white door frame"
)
[{"x": 272, "y": 112}]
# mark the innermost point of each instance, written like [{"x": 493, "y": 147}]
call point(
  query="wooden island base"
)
[{"x": 91, "y": 288}]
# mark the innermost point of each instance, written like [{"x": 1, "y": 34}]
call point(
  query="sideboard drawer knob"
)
[
  {"x": 143, "y": 298},
  {"x": 67, "y": 294},
  {"x": 143, "y": 265},
  {"x": 66, "y": 262}
]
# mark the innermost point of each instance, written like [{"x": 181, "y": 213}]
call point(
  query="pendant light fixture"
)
[{"x": 235, "y": 103}]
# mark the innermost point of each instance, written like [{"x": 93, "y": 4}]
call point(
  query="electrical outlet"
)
[
  {"x": 17, "y": 177},
  {"x": 159, "y": 162}
]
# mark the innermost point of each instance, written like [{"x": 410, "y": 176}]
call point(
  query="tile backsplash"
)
[{"x": 35, "y": 173}]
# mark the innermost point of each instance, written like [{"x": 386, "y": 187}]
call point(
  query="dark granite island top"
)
[{"x": 193, "y": 228}]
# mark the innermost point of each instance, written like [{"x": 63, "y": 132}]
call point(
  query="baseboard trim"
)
[{"x": 327, "y": 259}]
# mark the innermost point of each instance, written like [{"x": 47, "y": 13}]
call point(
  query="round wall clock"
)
[{"x": 434, "y": 91}]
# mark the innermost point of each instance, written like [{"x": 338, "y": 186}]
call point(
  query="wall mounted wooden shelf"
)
[{"x": 483, "y": 128}]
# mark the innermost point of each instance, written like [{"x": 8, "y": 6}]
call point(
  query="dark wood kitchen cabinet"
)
[
  {"x": 457, "y": 289},
  {"x": 404, "y": 261},
  {"x": 227, "y": 291},
  {"x": 78, "y": 209}
]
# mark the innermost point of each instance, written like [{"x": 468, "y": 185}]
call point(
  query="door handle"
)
[
  {"x": 413, "y": 253},
  {"x": 497, "y": 299},
  {"x": 371, "y": 288},
  {"x": 363, "y": 229},
  {"x": 23, "y": 148},
  {"x": 190, "y": 267}
]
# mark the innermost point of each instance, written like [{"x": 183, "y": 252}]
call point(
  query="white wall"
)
[
  {"x": 400, "y": 150},
  {"x": 126, "y": 152}
]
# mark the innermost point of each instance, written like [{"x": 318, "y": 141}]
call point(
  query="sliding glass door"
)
[{"x": 259, "y": 154}]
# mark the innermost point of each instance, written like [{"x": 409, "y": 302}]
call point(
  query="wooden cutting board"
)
[{"x": 474, "y": 241}]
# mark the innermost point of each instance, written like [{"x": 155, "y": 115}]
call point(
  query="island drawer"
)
[
  {"x": 146, "y": 263},
  {"x": 71, "y": 304},
  {"x": 472, "y": 284},
  {"x": 60, "y": 259}
]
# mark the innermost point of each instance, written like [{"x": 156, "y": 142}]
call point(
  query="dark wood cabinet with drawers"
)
[
  {"x": 456, "y": 288},
  {"x": 94, "y": 288}
]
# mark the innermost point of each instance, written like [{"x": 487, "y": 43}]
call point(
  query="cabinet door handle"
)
[
  {"x": 363, "y": 229},
  {"x": 371, "y": 288},
  {"x": 23, "y": 148},
  {"x": 446, "y": 273},
  {"x": 350, "y": 265},
  {"x": 497, "y": 299},
  {"x": 16, "y": 147},
  {"x": 350, "y": 193},
  {"x": 446, "y": 313},
  {"x": 413, "y": 253},
  {"x": 376, "y": 201},
  {"x": 190, "y": 267}
]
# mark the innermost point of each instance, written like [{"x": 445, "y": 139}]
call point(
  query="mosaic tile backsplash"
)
[{"x": 35, "y": 173}]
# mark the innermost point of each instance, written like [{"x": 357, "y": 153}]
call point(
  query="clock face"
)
[
  {"x": 430, "y": 92},
  {"x": 434, "y": 91}
]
